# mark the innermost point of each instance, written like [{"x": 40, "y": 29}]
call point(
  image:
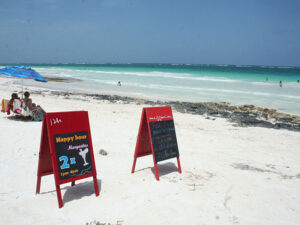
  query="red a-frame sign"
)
[
  {"x": 66, "y": 150},
  {"x": 157, "y": 137}
]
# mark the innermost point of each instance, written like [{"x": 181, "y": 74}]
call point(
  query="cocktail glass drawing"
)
[{"x": 83, "y": 153}]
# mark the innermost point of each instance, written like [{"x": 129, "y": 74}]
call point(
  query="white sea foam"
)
[
  {"x": 290, "y": 96},
  {"x": 265, "y": 83},
  {"x": 159, "y": 74},
  {"x": 285, "y": 67},
  {"x": 221, "y": 65},
  {"x": 191, "y": 89},
  {"x": 243, "y": 66},
  {"x": 86, "y": 74}
]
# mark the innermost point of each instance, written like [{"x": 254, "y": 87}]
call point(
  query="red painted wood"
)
[
  {"x": 133, "y": 165},
  {"x": 144, "y": 145},
  {"x": 60, "y": 123},
  {"x": 179, "y": 166}
]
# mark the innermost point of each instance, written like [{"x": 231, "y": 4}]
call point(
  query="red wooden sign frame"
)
[
  {"x": 60, "y": 123},
  {"x": 144, "y": 145}
]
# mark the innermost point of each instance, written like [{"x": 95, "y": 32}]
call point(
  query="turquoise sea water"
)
[{"x": 197, "y": 83}]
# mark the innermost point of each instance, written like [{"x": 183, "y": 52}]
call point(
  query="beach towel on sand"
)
[
  {"x": 37, "y": 115},
  {"x": 26, "y": 111},
  {"x": 17, "y": 106},
  {"x": 4, "y": 106}
]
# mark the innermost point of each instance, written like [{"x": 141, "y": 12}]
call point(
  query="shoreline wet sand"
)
[{"x": 245, "y": 115}]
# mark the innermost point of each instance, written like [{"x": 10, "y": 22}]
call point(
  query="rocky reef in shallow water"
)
[{"x": 245, "y": 115}]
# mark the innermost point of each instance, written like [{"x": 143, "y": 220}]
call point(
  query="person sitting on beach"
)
[
  {"x": 15, "y": 104},
  {"x": 36, "y": 111},
  {"x": 28, "y": 102}
]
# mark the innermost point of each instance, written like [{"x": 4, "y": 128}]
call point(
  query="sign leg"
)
[
  {"x": 179, "y": 166},
  {"x": 38, "y": 184},
  {"x": 133, "y": 165},
  {"x": 156, "y": 171},
  {"x": 96, "y": 185},
  {"x": 60, "y": 202}
]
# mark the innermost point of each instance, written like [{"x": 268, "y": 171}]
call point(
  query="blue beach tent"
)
[{"x": 22, "y": 72}]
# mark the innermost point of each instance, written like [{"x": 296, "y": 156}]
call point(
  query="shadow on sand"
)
[
  {"x": 77, "y": 191},
  {"x": 80, "y": 190},
  {"x": 20, "y": 118},
  {"x": 165, "y": 168}
]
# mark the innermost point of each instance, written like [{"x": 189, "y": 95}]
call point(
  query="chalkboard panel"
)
[
  {"x": 73, "y": 154},
  {"x": 164, "y": 140}
]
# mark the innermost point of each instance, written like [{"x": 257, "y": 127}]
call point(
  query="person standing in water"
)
[
  {"x": 267, "y": 79},
  {"x": 280, "y": 83}
]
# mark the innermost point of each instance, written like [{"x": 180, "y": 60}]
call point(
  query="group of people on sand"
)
[{"x": 25, "y": 107}]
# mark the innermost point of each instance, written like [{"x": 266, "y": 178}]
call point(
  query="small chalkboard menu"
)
[
  {"x": 164, "y": 140},
  {"x": 66, "y": 150},
  {"x": 157, "y": 136},
  {"x": 73, "y": 154}
]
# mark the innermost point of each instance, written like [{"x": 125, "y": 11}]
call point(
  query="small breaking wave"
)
[{"x": 93, "y": 74}]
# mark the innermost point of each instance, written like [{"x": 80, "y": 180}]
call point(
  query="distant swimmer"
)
[
  {"x": 280, "y": 83},
  {"x": 298, "y": 81},
  {"x": 119, "y": 83},
  {"x": 267, "y": 79}
]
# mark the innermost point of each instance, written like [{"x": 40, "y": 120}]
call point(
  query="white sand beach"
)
[{"x": 230, "y": 174}]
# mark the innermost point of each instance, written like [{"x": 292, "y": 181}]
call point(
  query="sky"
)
[{"x": 237, "y": 32}]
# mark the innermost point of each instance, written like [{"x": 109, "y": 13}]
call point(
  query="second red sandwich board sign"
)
[
  {"x": 157, "y": 136},
  {"x": 66, "y": 150}
]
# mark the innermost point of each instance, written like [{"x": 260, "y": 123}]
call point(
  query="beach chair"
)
[{"x": 15, "y": 107}]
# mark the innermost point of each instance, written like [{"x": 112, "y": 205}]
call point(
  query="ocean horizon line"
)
[{"x": 150, "y": 63}]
